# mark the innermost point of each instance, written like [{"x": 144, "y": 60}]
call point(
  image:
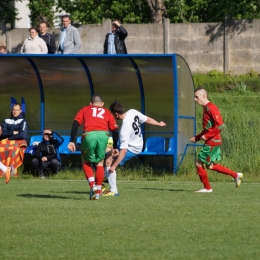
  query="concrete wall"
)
[
  {"x": 231, "y": 46},
  {"x": 194, "y": 43}
]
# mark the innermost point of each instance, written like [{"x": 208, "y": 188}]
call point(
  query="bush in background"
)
[{"x": 216, "y": 81}]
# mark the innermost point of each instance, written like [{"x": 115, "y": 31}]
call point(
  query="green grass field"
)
[
  {"x": 156, "y": 216},
  {"x": 54, "y": 219}
]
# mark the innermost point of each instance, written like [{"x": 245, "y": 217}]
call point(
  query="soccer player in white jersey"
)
[{"x": 131, "y": 141}]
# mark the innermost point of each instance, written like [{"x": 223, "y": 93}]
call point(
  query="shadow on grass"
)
[
  {"x": 167, "y": 189},
  {"x": 77, "y": 192},
  {"x": 42, "y": 196},
  {"x": 133, "y": 188}
]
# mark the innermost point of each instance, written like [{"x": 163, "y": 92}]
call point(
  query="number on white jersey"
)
[{"x": 136, "y": 125}]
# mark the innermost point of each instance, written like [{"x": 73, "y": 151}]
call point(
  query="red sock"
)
[
  {"x": 89, "y": 173},
  {"x": 99, "y": 175},
  {"x": 203, "y": 177},
  {"x": 224, "y": 170}
]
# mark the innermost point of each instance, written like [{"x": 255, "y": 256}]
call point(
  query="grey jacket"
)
[{"x": 72, "y": 42}]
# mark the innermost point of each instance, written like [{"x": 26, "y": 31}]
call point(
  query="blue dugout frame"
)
[{"x": 178, "y": 63}]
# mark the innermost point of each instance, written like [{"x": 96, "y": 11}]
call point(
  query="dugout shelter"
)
[{"x": 52, "y": 88}]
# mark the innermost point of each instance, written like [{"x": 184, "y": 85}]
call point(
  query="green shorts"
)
[
  {"x": 93, "y": 146},
  {"x": 209, "y": 154}
]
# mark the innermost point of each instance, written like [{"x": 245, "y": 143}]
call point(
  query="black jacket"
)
[
  {"x": 120, "y": 36},
  {"x": 49, "y": 149},
  {"x": 12, "y": 124},
  {"x": 50, "y": 42}
]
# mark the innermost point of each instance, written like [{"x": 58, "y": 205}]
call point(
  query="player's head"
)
[
  {"x": 201, "y": 96},
  {"x": 96, "y": 100},
  {"x": 117, "y": 109}
]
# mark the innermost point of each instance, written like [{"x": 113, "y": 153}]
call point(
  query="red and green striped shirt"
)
[{"x": 212, "y": 124}]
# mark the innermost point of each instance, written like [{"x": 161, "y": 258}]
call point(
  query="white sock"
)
[
  {"x": 3, "y": 168},
  {"x": 91, "y": 179},
  {"x": 112, "y": 181}
]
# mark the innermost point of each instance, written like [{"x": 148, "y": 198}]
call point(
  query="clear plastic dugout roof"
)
[{"x": 53, "y": 88}]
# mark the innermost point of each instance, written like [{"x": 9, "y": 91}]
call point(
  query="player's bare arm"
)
[{"x": 151, "y": 121}]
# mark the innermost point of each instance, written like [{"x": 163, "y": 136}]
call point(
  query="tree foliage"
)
[
  {"x": 42, "y": 10},
  {"x": 144, "y": 11},
  {"x": 188, "y": 11},
  {"x": 94, "y": 11},
  {"x": 8, "y": 13}
]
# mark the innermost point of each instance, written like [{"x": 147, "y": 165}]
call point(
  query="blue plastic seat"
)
[
  {"x": 78, "y": 140},
  {"x": 78, "y": 145},
  {"x": 30, "y": 148},
  {"x": 63, "y": 149},
  {"x": 35, "y": 138},
  {"x": 154, "y": 146},
  {"x": 170, "y": 150}
]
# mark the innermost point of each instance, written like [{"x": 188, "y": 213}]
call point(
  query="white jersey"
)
[{"x": 131, "y": 137}]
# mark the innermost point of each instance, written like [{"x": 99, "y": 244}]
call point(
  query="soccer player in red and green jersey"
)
[
  {"x": 212, "y": 125},
  {"x": 97, "y": 121}
]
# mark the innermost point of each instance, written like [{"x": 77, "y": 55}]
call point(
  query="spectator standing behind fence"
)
[
  {"x": 69, "y": 38},
  {"x": 209, "y": 155},
  {"x": 115, "y": 39},
  {"x": 3, "y": 49},
  {"x": 131, "y": 141},
  {"x": 47, "y": 153},
  {"x": 34, "y": 44},
  {"x": 48, "y": 38}
]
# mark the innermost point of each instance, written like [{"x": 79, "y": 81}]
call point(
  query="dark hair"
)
[
  {"x": 117, "y": 107},
  {"x": 65, "y": 16},
  {"x": 34, "y": 28},
  {"x": 96, "y": 99},
  {"x": 17, "y": 104}
]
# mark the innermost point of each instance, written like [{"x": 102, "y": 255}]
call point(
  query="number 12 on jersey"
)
[{"x": 98, "y": 112}]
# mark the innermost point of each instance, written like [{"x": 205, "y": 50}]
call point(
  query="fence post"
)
[
  {"x": 227, "y": 44},
  {"x": 166, "y": 27}
]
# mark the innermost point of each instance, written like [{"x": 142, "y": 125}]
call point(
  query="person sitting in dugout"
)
[{"x": 47, "y": 153}]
